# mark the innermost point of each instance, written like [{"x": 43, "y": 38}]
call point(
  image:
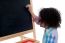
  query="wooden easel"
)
[{"x": 20, "y": 33}]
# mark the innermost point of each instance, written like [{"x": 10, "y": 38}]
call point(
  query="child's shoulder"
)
[
  {"x": 55, "y": 32},
  {"x": 52, "y": 31}
]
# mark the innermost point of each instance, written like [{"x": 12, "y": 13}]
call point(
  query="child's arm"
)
[
  {"x": 35, "y": 18},
  {"x": 29, "y": 6}
]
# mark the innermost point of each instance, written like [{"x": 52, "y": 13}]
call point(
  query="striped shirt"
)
[{"x": 50, "y": 36}]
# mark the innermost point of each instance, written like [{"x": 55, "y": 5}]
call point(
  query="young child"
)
[{"x": 50, "y": 19}]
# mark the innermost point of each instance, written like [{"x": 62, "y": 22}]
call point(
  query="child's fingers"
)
[{"x": 27, "y": 6}]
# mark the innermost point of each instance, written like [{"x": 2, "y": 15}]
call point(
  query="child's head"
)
[{"x": 50, "y": 17}]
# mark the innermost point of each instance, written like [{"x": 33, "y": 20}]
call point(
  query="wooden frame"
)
[
  {"x": 34, "y": 33},
  {"x": 15, "y": 35}
]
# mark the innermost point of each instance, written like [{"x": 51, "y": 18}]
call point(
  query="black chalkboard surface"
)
[{"x": 14, "y": 17}]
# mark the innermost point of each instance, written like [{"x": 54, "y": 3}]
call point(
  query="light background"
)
[{"x": 37, "y": 5}]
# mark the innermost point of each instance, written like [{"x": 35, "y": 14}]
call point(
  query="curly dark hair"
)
[{"x": 51, "y": 17}]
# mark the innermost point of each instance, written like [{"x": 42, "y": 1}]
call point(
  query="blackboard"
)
[{"x": 14, "y": 17}]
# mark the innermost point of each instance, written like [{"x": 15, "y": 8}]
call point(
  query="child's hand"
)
[{"x": 29, "y": 6}]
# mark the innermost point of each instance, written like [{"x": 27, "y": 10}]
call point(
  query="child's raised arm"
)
[{"x": 30, "y": 9}]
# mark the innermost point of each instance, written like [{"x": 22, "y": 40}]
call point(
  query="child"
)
[{"x": 50, "y": 19}]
